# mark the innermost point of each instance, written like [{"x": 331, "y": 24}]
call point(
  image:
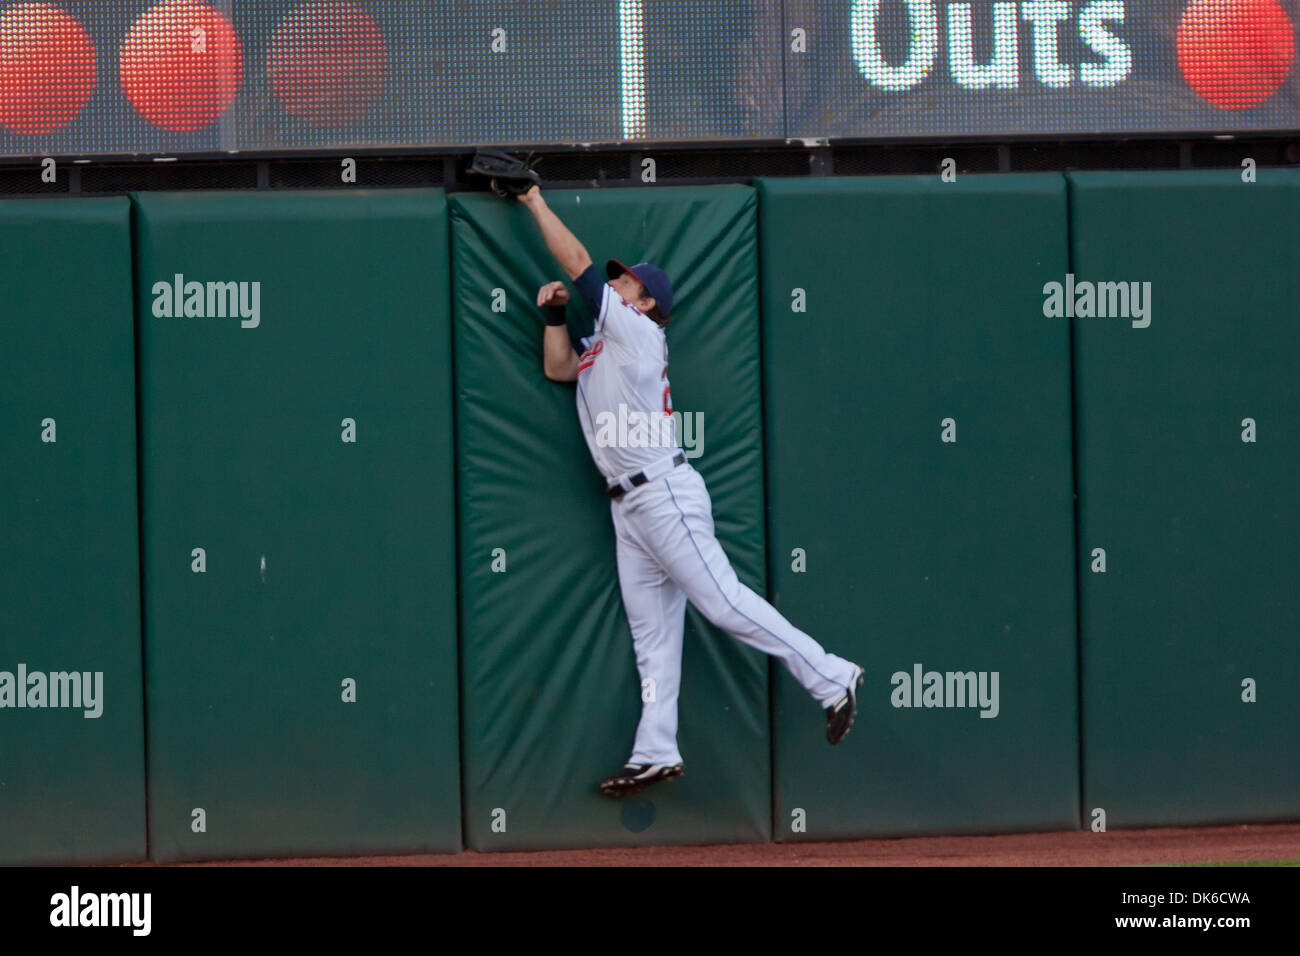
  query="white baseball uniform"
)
[{"x": 666, "y": 548}]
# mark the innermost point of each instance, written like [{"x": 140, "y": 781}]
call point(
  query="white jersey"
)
[
  {"x": 664, "y": 540},
  {"x": 624, "y": 402}
]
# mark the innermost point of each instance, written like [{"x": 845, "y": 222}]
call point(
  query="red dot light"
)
[
  {"x": 181, "y": 65},
  {"x": 1235, "y": 53},
  {"x": 326, "y": 62},
  {"x": 47, "y": 68}
]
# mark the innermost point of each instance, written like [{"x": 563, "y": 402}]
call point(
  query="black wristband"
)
[{"x": 555, "y": 315}]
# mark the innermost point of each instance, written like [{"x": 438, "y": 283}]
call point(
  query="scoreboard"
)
[{"x": 114, "y": 77}]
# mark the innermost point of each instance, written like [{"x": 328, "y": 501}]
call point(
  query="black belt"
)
[{"x": 618, "y": 491}]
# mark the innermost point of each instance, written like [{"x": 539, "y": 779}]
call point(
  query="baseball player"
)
[{"x": 663, "y": 518}]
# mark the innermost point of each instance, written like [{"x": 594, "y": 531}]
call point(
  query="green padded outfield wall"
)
[
  {"x": 301, "y": 680},
  {"x": 551, "y": 695},
  {"x": 71, "y": 769},
  {"x": 1189, "y": 465},
  {"x": 897, "y": 313}
]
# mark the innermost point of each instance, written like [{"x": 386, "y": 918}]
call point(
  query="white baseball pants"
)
[{"x": 667, "y": 553}]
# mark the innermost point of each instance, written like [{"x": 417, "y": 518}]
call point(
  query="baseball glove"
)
[{"x": 507, "y": 175}]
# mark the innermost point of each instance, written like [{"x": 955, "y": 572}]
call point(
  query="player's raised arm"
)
[
  {"x": 559, "y": 360},
  {"x": 564, "y": 245}
]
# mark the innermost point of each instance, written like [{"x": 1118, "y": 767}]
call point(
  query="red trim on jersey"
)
[{"x": 588, "y": 358}]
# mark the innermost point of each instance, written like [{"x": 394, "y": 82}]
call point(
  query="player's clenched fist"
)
[{"x": 553, "y": 293}]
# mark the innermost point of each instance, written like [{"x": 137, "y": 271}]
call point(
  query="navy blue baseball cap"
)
[{"x": 652, "y": 277}]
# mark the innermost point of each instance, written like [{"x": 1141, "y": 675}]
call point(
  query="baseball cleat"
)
[
  {"x": 635, "y": 777},
  {"x": 840, "y": 715}
]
